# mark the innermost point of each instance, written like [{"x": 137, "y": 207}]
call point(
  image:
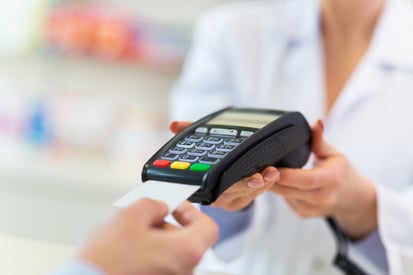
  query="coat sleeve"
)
[
  {"x": 77, "y": 268},
  {"x": 396, "y": 228}
]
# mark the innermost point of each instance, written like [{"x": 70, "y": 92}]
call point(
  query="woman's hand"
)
[
  {"x": 242, "y": 193},
  {"x": 331, "y": 188}
]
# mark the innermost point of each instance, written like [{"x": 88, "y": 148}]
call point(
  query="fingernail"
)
[
  {"x": 271, "y": 175},
  {"x": 172, "y": 125},
  {"x": 254, "y": 183},
  {"x": 321, "y": 124}
]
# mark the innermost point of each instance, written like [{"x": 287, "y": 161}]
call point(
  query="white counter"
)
[{"x": 20, "y": 256}]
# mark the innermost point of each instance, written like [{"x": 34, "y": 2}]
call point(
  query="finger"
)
[
  {"x": 270, "y": 175},
  {"x": 303, "y": 209},
  {"x": 245, "y": 188},
  {"x": 320, "y": 147},
  {"x": 313, "y": 197},
  {"x": 147, "y": 211},
  {"x": 267, "y": 176},
  {"x": 254, "y": 181},
  {"x": 288, "y": 192},
  {"x": 197, "y": 224},
  {"x": 241, "y": 194},
  {"x": 301, "y": 178},
  {"x": 184, "y": 213},
  {"x": 178, "y": 126}
]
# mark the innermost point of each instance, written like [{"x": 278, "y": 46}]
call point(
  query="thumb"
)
[
  {"x": 197, "y": 224},
  {"x": 320, "y": 147},
  {"x": 147, "y": 211}
]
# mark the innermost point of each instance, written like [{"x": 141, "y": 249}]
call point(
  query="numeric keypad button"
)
[
  {"x": 185, "y": 144},
  {"x": 217, "y": 154},
  {"x": 177, "y": 150},
  {"x": 205, "y": 146},
  {"x": 170, "y": 156},
  {"x": 188, "y": 158},
  {"x": 213, "y": 140},
  {"x": 197, "y": 152},
  {"x": 194, "y": 138},
  {"x": 233, "y": 141},
  {"x": 208, "y": 160},
  {"x": 225, "y": 148}
]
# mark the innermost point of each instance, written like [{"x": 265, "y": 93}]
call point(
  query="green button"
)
[{"x": 200, "y": 167}]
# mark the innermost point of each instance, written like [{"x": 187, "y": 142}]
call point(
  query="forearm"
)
[{"x": 360, "y": 218}]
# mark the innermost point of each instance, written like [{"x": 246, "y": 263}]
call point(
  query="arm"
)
[{"x": 333, "y": 188}]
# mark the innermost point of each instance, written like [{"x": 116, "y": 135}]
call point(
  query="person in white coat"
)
[{"x": 348, "y": 62}]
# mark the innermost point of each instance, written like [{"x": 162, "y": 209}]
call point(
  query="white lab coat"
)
[{"x": 269, "y": 54}]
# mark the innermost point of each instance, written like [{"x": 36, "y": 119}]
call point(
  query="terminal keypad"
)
[{"x": 202, "y": 149}]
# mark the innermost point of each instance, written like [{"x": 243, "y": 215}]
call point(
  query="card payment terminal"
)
[{"x": 220, "y": 149}]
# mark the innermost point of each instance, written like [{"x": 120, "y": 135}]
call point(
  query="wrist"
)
[{"x": 360, "y": 218}]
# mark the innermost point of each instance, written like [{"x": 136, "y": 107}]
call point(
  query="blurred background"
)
[{"x": 83, "y": 104}]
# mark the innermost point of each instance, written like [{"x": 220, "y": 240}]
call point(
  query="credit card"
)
[{"x": 173, "y": 194}]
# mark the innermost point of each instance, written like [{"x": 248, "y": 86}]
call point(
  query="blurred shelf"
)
[
  {"x": 181, "y": 12},
  {"x": 48, "y": 74},
  {"x": 85, "y": 175},
  {"x": 25, "y": 166},
  {"x": 60, "y": 200},
  {"x": 43, "y": 200}
]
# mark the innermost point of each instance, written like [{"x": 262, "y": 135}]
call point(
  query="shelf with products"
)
[
  {"x": 106, "y": 32},
  {"x": 78, "y": 137},
  {"x": 85, "y": 113},
  {"x": 66, "y": 157},
  {"x": 151, "y": 33}
]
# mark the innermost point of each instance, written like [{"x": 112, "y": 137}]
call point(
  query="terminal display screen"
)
[{"x": 243, "y": 119}]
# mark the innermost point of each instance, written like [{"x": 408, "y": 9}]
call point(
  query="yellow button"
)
[{"x": 181, "y": 165}]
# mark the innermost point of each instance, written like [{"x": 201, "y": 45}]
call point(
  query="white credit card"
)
[{"x": 173, "y": 194}]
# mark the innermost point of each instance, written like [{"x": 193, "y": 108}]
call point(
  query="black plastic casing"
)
[{"x": 285, "y": 142}]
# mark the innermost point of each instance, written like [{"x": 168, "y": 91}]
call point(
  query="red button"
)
[{"x": 161, "y": 163}]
